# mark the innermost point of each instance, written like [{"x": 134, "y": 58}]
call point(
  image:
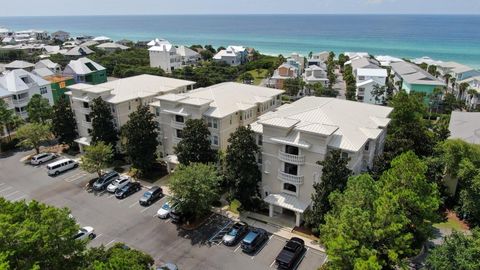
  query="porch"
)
[{"x": 285, "y": 207}]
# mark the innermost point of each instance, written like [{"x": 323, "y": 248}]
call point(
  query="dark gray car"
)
[
  {"x": 151, "y": 195},
  {"x": 105, "y": 180}
]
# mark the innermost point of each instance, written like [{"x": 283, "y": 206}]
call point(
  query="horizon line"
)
[{"x": 246, "y": 14}]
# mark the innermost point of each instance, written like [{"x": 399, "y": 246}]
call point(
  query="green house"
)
[
  {"x": 85, "y": 70},
  {"x": 59, "y": 85}
]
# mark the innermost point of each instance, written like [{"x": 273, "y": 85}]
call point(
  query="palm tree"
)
[
  {"x": 462, "y": 88},
  {"x": 447, "y": 79},
  {"x": 473, "y": 94}
]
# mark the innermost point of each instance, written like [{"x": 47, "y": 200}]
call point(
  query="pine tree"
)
[
  {"x": 195, "y": 144},
  {"x": 140, "y": 134},
  {"x": 103, "y": 128},
  {"x": 39, "y": 109},
  {"x": 242, "y": 172},
  {"x": 63, "y": 122}
]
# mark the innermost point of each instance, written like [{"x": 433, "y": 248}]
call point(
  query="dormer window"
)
[{"x": 24, "y": 79}]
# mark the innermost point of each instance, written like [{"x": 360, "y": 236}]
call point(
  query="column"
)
[
  {"x": 297, "y": 218},
  {"x": 270, "y": 210}
]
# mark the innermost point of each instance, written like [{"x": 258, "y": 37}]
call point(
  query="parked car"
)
[
  {"x": 151, "y": 195},
  {"x": 85, "y": 232},
  {"x": 290, "y": 254},
  {"x": 57, "y": 167},
  {"x": 105, "y": 180},
  {"x": 164, "y": 211},
  {"x": 254, "y": 240},
  {"x": 118, "y": 183},
  {"x": 236, "y": 233},
  {"x": 128, "y": 190},
  {"x": 43, "y": 157}
]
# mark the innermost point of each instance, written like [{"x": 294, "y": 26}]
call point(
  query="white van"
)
[
  {"x": 57, "y": 167},
  {"x": 41, "y": 158}
]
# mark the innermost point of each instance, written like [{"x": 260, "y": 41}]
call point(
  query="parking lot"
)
[{"x": 127, "y": 221}]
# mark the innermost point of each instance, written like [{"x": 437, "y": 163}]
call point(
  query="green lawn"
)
[
  {"x": 258, "y": 76},
  {"x": 449, "y": 224}
]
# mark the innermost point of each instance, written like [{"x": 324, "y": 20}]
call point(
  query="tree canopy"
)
[
  {"x": 117, "y": 257},
  {"x": 33, "y": 135},
  {"x": 140, "y": 134},
  {"x": 195, "y": 187},
  {"x": 39, "y": 109},
  {"x": 241, "y": 157},
  {"x": 63, "y": 122},
  {"x": 335, "y": 174},
  {"x": 96, "y": 158},
  {"x": 103, "y": 128},
  {"x": 195, "y": 144}
]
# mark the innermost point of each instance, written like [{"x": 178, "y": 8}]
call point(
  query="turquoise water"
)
[{"x": 442, "y": 37}]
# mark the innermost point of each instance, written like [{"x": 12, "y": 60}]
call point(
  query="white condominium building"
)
[
  {"x": 224, "y": 107},
  {"x": 124, "y": 97},
  {"x": 22, "y": 85},
  {"x": 164, "y": 55},
  {"x": 295, "y": 136}
]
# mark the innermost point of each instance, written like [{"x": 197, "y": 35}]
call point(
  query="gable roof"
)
[
  {"x": 12, "y": 80},
  {"x": 81, "y": 66},
  {"x": 112, "y": 45},
  {"x": 46, "y": 63},
  {"x": 186, "y": 52},
  {"x": 413, "y": 74},
  {"x": 79, "y": 51},
  {"x": 19, "y": 64}
]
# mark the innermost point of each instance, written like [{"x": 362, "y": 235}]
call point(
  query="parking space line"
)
[
  {"x": 19, "y": 198},
  {"x": 271, "y": 265},
  {"x": 111, "y": 242},
  {"x": 98, "y": 236},
  {"x": 133, "y": 204},
  {"x": 167, "y": 221},
  {"x": 113, "y": 195},
  {"x": 236, "y": 249},
  {"x": 5, "y": 189},
  {"x": 146, "y": 209},
  {"x": 75, "y": 179},
  {"x": 15, "y": 192}
]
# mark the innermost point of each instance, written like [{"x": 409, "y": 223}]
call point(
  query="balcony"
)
[
  {"x": 177, "y": 125},
  {"x": 84, "y": 110},
  {"x": 20, "y": 101},
  {"x": 86, "y": 124},
  {"x": 289, "y": 178},
  {"x": 293, "y": 159}
]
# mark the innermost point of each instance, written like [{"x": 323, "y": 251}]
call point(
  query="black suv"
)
[
  {"x": 150, "y": 196},
  {"x": 105, "y": 180},
  {"x": 254, "y": 240},
  {"x": 128, "y": 190}
]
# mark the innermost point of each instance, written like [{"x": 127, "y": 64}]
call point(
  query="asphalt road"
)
[{"x": 126, "y": 221}]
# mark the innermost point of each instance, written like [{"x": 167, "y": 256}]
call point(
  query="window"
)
[
  {"x": 157, "y": 111},
  {"x": 231, "y": 119},
  {"x": 260, "y": 139},
  {"x": 87, "y": 118},
  {"x": 179, "y": 133},
  {"x": 291, "y": 169},
  {"x": 24, "y": 79},
  {"x": 361, "y": 89},
  {"x": 361, "y": 78},
  {"x": 215, "y": 140},
  {"x": 289, "y": 187},
  {"x": 367, "y": 146},
  {"x": 179, "y": 118},
  {"x": 86, "y": 105},
  {"x": 43, "y": 90},
  {"x": 344, "y": 155},
  {"x": 129, "y": 106},
  {"x": 292, "y": 150},
  {"x": 259, "y": 159},
  {"x": 112, "y": 108},
  {"x": 89, "y": 131}
]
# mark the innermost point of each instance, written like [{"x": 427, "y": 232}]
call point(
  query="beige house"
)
[
  {"x": 224, "y": 107},
  {"x": 295, "y": 136},
  {"x": 124, "y": 97}
]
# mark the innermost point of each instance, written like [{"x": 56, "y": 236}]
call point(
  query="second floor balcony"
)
[
  {"x": 291, "y": 158},
  {"x": 290, "y": 178},
  {"x": 177, "y": 125}
]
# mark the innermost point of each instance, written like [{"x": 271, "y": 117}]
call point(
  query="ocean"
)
[{"x": 441, "y": 37}]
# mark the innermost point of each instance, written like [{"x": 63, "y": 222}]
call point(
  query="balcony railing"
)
[
  {"x": 86, "y": 124},
  {"x": 177, "y": 125},
  {"x": 293, "y": 159},
  {"x": 20, "y": 101},
  {"x": 289, "y": 178}
]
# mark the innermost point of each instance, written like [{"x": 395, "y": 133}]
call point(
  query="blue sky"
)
[{"x": 112, "y": 7}]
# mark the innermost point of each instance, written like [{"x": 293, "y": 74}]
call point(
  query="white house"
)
[
  {"x": 60, "y": 35},
  {"x": 318, "y": 59},
  {"x": 367, "y": 80},
  {"x": 49, "y": 64},
  {"x": 19, "y": 64},
  {"x": 315, "y": 74},
  {"x": 23, "y": 85},
  {"x": 123, "y": 95},
  {"x": 111, "y": 47},
  {"x": 188, "y": 55},
  {"x": 297, "y": 135},
  {"x": 164, "y": 55},
  {"x": 232, "y": 55}
]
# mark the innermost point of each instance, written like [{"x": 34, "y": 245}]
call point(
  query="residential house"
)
[
  {"x": 188, "y": 55},
  {"x": 368, "y": 80},
  {"x": 472, "y": 100},
  {"x": 42, "y": 72},
  {"x": 49, "y": 64},
  {"x": 164, "y": 55},
  {"x": 296, "y": 136},
  {"x": 316, "y": 74},
  {"x": 318, "y": 59},
  {"x": 456, "y": 70},
  {"x": 112, "y": 47},
  {"x": 298, "y": 60},
  {"x": 355, "y": 55},
  {"x": 102, "y": 39},
  {"x": 59, "y": 85},
  {"x": 60, "y": 35},
  {"x": 232, "y": 55},
  {"x": 85, "y": 70},
  {"x": 412, "y": 78},
  {"x": 6, "y": 96},
  {"x": 19, "y": 64},
  {"x": 123, "y": 95},
  {"x": 224, "y": 107},
  {"x": 282, "y": 73},
  {"x": 78, "y": 51},
  {"x": 23, "y": 85},
  {"x": 387, "y": 60}
]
